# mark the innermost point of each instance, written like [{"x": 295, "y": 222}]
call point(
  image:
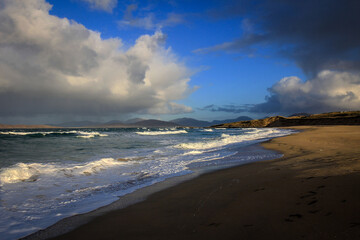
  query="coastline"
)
[
  {"x": 70, "y": 223},
  {"x": 305, "y": 194}
]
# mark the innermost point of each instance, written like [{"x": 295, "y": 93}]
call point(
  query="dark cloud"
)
[
  {"x": 318, "y": 35},
  {"x": 322, "y": 37}
]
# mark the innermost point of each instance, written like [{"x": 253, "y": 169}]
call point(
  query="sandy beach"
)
[{"x": 312, "y": 192}]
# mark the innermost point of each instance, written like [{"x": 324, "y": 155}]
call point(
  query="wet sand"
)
[{"x": 312, "y": 192}]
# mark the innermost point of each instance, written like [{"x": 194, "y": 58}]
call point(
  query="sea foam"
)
[
  {"x": 88, "y": 174},
  {"x": 80, "y": 134},
  {"x": 30, "y": 172},
  {"x": 208, "y": 130},
  {"x": 226, "y": 139},
  {"x": 153, "y": 133},
  {"x": 193, "y": 153}
]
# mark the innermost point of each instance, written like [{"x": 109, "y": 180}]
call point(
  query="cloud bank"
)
[
  {"x": 321, "y": 37},
  {"x": 52, "y": 65},
  {"x": 328, "y": 91}
]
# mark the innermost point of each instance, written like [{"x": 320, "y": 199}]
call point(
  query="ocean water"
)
[{"x": 47, "y": 175}]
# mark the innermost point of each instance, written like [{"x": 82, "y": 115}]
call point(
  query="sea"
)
[{"x": 47, "y": 175}]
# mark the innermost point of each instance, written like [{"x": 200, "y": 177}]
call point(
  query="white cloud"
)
[
  {"x": 105, "y": 5},
  {"x": 50, "y": 65},
  {"x": 148, "y": 20},
  {"x": 328, "y": 91}
]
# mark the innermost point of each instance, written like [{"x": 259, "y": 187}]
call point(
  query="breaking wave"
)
[
  {"x": 225, "y": 139},
  {"x": 30, "y": 172},
  {"x": 152, "y": 133},
  {"x": 193, "y": 153},
  {"x": 208, "y": 130},
  {"x": 80, "y": 134}
]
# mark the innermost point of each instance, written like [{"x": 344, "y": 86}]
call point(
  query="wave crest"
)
[
  {"x": 152, "y": 133},
  {"x": 80, "y": 134},
  {"x": 225, "y": 139},
  {"x": 30, "y": 172},
  {"x": 207, "y": 130}
]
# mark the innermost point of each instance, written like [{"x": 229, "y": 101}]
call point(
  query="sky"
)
[{"x": 100, "y": 60}]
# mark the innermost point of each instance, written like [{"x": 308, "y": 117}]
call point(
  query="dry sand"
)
[{"x": 313, "y": 192}]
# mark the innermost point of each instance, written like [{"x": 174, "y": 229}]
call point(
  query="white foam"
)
[
  {"x": 193, "y": 153},
  {"x": 208, "y": 130},
  {"x": 225, "y": 139},
  {"x": 80, "y": 134},
  {"x": 152, "y": 133},
  {"x": 29, "y": 172},
  {"x": 47, "y": 192},
  {"x": 24, "y": 133},
  {"x": 21, "y": 172}
]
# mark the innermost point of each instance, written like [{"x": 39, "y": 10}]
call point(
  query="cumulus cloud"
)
[
  {"x": 328, "y": 91},
  {"x": 104, "y": 5},
  {"x": 321, "y": 37},
  {"x": 52, "y": 65}
]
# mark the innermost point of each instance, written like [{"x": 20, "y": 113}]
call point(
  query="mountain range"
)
[
  {"x": 140, "y": 122},
  {"x": 191, "y": 122},
  {"x": 299, "y": 119}
]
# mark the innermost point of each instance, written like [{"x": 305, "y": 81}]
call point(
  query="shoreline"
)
[
  {"x": 297, "y": 196},
  {"x": 70, "y": 223}
]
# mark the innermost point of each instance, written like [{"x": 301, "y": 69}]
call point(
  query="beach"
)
[{"x": 312, "y": 192}]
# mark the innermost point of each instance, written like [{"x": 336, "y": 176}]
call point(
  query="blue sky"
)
[
  {"x": 113, "y": 59},
  {"x": 223, "y": 79}
]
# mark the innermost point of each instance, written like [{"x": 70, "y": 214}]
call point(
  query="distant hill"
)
[
  {"x": 91, "y": 124},
  {"x": 142, "y": 123},
  {"x": 114, "y": 122},
  {"x": 332, "y": 118},
  {"x": 155, "y": 123},
  {"x": 241, "y": 118},
  {"x": 134, "y": 120},
  {"x": 21, "y": 126},
  {"x": 191, "y": 122},
  {"x": 76, "y": 124},
  {"x": 111, "y": 125}
]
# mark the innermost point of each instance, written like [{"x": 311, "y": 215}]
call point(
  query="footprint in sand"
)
[
  {"x": 312, "y": 202},
  {"x": 292, "y": 217},
  {"x": 214, "y": 224},
  {"x": 259, "y": 189}
]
